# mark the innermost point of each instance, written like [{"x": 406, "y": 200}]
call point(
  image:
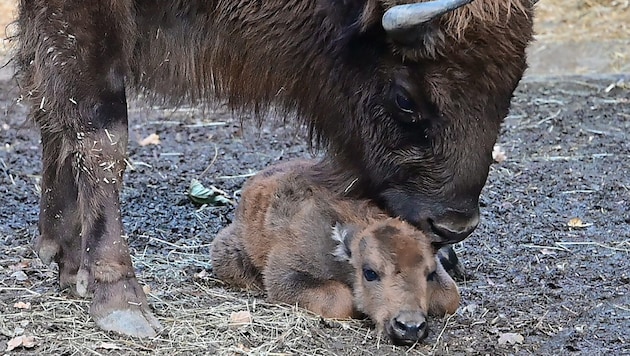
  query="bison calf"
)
[{"x": 336, "y": 257}]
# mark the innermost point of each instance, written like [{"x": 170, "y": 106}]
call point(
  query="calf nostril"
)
[
  {"x": 400, "y": 326},
  {"x": 411, "y": 328},
  {"x": 408, "y": 328}
]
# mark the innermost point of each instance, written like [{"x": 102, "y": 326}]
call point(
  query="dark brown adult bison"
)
[
  {"x": 406, "y": 98},
  {"x": 336, "y": 257}
]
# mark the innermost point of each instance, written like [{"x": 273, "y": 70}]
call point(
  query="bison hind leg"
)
[{"x": 231, "y": 263}]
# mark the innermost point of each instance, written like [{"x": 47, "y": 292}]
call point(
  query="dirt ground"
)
[{"x": 548, "y": 269}]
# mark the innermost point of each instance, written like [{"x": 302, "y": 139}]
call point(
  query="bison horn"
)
[{"x": 404, "y": 17}]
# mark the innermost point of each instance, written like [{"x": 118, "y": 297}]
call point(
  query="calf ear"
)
[{"x": 342, "y": 234}]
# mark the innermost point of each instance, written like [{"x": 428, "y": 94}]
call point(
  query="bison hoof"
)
[
  {"x": 138, "y": 323},
  {"x": 452, "y": 265},
  {"x": 47, "y": 248},
  {"x": 122, "y": 307}
]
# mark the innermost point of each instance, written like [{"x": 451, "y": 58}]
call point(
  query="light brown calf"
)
[{"x": 336, "y": 257}]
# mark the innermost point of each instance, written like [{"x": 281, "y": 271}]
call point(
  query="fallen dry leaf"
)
[
  {"x": 20, "y": 265},
  {"x": 577, "y": 222},
  {"x": 239, "y": 319},
  {"x": 19, "y": 276},
  {"x": 22, "y": 305},
  {"x": 546, "y": 251},
  {"x": 201, "y": 275},
  {"x": 146, "y": 289},
  {"x": 511, "y": 338},
  {"x": 152, "y": 139},
  {"x": 108, "y": 346},
  {"x": 470, "y": 308},
  {"x": 498, "y": 155},
  {"x": 24, "y": 341},
  {"x": 243, "y": 348}
]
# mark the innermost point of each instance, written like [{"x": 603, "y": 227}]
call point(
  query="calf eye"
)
[
  {"x": 432, "y": 276},
  {"x": 370, "y": 275}
]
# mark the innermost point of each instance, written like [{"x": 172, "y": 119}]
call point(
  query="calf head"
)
[{"x": 398, "y": 280}]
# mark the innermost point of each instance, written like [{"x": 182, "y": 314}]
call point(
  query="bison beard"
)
[{"x": 408, "y": 112}]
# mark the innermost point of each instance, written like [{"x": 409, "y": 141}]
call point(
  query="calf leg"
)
[
  {"x": 72, "y": 58},
  {"x": 291, "y": 284},
  {"x": 442, "y": 293},
  {"x": 231, "y": 263}
]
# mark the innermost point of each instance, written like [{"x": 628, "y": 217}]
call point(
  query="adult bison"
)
[
  {"x": 407, "y": 99},
  {"x": 335, "y": 256}
]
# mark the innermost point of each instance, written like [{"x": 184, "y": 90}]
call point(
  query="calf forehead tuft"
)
[
  {"x": 406, "y": 245},
  {"x": 383, "y": 232}
]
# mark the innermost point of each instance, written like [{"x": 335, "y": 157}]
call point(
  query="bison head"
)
[{"x": 423, "y": 91}]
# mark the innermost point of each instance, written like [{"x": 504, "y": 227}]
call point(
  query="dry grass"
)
[
  {"x": 195, "y": 311},
  {"x": 7, "y": 14},
  {"x": 582, "y": 20}
]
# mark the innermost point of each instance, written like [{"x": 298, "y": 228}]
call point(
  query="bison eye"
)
[
  {"x": 370, "y": 275},
  {"x": 404, "y": 103},
  {"x": 432, "y": 276}
]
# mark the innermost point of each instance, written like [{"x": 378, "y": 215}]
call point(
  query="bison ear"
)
[{"x": 342, "y": 234}]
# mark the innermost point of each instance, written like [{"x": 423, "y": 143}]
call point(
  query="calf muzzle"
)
[{"x": 408, "y": 327}]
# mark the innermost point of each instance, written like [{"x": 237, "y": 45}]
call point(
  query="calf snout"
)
[{"x": 408, "y": 327}]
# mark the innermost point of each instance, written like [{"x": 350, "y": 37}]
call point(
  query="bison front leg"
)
[
  {"x": 72, "y": 58},
  {"x": 106, "y": 272},
  {"x": 59, "y": 220},
  {"x": 80, "y": 224}
]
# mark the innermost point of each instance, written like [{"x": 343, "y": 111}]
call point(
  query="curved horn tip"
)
[{"x": 400, "y": 17}]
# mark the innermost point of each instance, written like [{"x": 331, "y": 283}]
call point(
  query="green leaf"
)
[{"x": 199, "y": 194}]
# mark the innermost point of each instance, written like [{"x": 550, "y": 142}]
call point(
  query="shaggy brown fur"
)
[
  {"x": 410, "y": 125},
  {"x": 336, "y": 257}
]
